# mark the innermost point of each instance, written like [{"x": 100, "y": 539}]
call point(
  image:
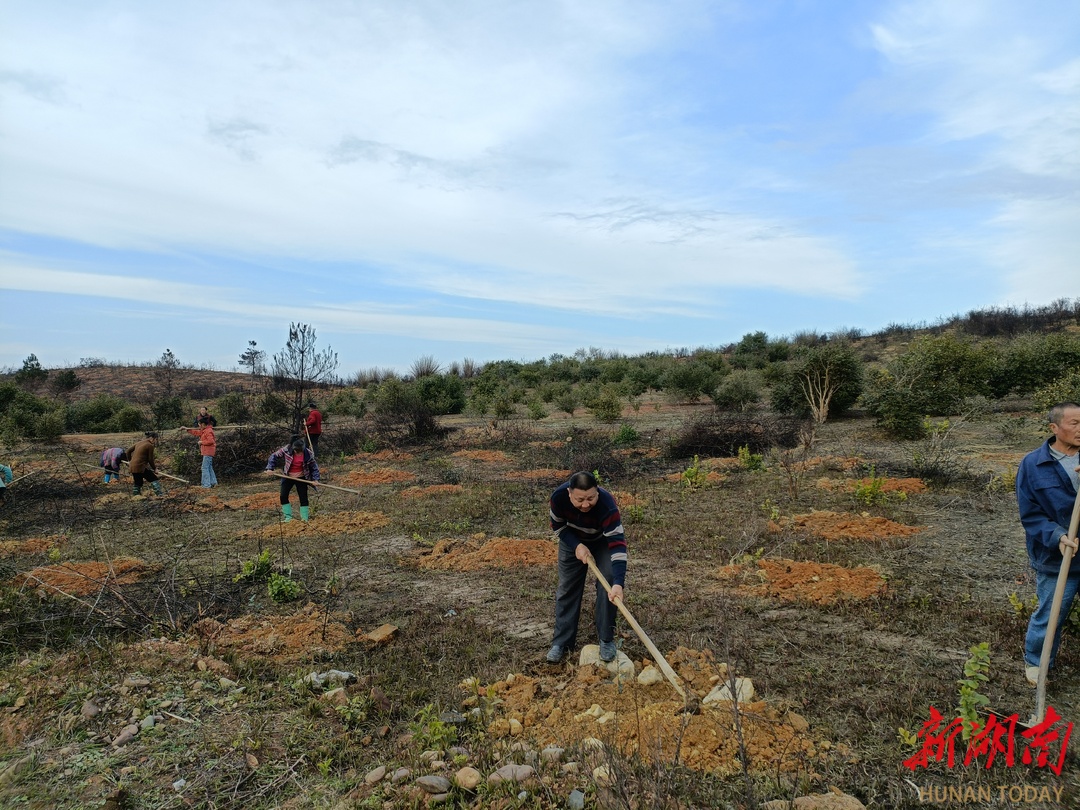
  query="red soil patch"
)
[
  {"x": 845, "y": 526},
  {"x": 542, "y": 474},
  {"x": 32, "y": 545},
  {"x": 386, "y": 475},
  {"x": 791, "y": 581},
  {"x": 434, "y": 489},
  {"x": 490, "y": 456},
  {"x": 624, "y": 499},
  {"x": 306, "y": 633},
  {"x": 498, "y": 552},
  {"x": 909, "y": 486},
  {"x": 834, "y": 462},
  {"x": 85, "y": 578},
  {"x": 390, "y": 455},
  {"x": 323, "y": 524},
  {"x": 649, "y": 722}
]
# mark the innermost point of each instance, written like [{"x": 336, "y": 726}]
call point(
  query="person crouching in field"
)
[
  {"x": 142, "y": 464},
  {"x": 110, "y": 461},
  {"x": 207, "y": 446},
  {"x": 298, "y": 463}
]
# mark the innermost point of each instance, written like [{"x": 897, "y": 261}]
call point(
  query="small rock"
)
[
  {"x": 336, "y": 697},
  {"x": 457, "y": 751},
  {"x": 127, "y": 735},
  {"x": 136, "y": 683},
  {"x": 376, "y": 775},
  {"x": 227, "y": 683},
  {"x": 576, "y": 800},
  {"x": 165, "y": 705},
  {"x": 649, "y": 676},
  {"x": 744, "y": 689},
  {"x": 468, "y": 778},
  {"x": 179, "y": 784},
  {"x": 430, "y": 756},
  {"x": 148, "y": 722},
  {"x": 128, "y": 770},
  {"x": 523, "y": 795},
  {"x": 337, "y": 676},
  {"x": 380, "y": 635},
  {"x": 592, "y": 744},
  {"x": 400, "y": 775},
  {"x": 797, "y": 722},
  {"x": 512, "y": 773},
  {"x": 606, "y": 717},
  {"x": 90, "y": 709},
  {"x": 602, "y": 776},
  {"x": 200, "y": 665},
  {"x": 433, "y": 784},
  {"x": 552, "y": 753},
  {"x": 571, "y": 768},
  {"x": 515, "y": 727}
]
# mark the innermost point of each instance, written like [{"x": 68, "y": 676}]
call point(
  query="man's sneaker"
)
[
  {"x": 607, "y": 650},
  {"x": 1032, "y": 675},
  {"x": 555, "y": 654}
]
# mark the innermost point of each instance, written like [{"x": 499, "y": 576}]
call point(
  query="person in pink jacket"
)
[{"x": 207, "y": 446}]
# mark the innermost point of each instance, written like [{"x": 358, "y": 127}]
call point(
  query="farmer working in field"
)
[
  {"x": 142, "y": 464},
  {"x": 587, "y": 521},
  {"x": 1046, "y": 487},
  {"x": 313, "y": 426},
  {"x": 298, "y": 463},
  {"x": 110, "y": 461},
  {"x": 5, "y": 479},
  {"x": 207, "y": 446}
]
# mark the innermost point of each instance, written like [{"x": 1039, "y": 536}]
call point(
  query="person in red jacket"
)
[
  {"x": 208, "y": 447},
  {"x": 313, "y": 426}
]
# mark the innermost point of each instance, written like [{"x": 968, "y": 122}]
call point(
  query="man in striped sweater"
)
[{"x": 586, "y": 519}]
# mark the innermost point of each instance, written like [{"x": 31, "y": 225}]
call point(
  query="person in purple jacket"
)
[
  {"x": 1046, "y": 491},
  {"x": 586, "y": 519},
  {"x": 110, "y": 461}
]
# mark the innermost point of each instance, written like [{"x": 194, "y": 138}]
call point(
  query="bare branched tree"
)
[{"x": 299, "y": 367}]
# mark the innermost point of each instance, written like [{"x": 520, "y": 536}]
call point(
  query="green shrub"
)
[
  {"x": 568, "y": 401},
  {"x": 272, "y": 408},
  {"x": 128, "y": 419},
  {"x": 282, "y": 588},
  {"x": 49, "y": 426},
  {"x": 1064, "y": 389},
  {"x": 738, "y": 391},
  {"x": 233, "y": 409},
  {"x": 607, "y": 407},
  {"x": 687, "y": 381},
  {"x": 537, "y": 411},
  {"x": 1032, "y": 362},
  {"x": 894, "y": 405},
  {"x": 168, "y": 412},
  {"x": 441, "y": 393},
  {"x": 255, "y": 569},
  {"x": 626, "y": 435},
  {"x": 942, "y": 371},
  {"x": 821, "y": 380}
]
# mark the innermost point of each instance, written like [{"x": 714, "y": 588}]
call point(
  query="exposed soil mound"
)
[
  {"x": 489, "y": 456},
  {"x": 908, "y": 486},
  {"x": 84, "y": 578},
  {"x": 434, "y": 489},
  {"x": 386, "y": 475},
  {"x": 845, "y": 526},
  {"x": 542, "y": 474},
  {"x": 390, "y": 455},
  {"x": 648, "y": 720},
  {"x": 306, "y": 633},
  {"x": 32, "y": 545},
  {"x": 476, "y": 554},
  {"x": 323, "y": 524},
  {"x": 624, "y": 499},
  {"x": 791, "y": 581},
  {"x": 841, "y": 463}
]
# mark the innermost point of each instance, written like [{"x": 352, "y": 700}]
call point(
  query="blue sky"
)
[{"x": 512, "y": 179}]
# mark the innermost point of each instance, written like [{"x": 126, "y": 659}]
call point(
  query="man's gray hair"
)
[{"x": 1057, "y": 413}]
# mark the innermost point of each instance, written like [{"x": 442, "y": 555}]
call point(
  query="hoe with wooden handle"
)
[
  {"x": 1055, "y": 610},
  {"x": 665, "y": 667}
]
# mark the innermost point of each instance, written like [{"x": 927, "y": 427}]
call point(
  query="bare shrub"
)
[{"x": 722, "y": 434}]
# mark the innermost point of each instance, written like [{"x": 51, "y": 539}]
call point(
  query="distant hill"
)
[{"x": 140, "y": 383}]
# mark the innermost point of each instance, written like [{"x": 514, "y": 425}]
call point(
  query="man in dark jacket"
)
[
  {"x": 1046, "y": 491},
  {"x": 587, "y": 521}
]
